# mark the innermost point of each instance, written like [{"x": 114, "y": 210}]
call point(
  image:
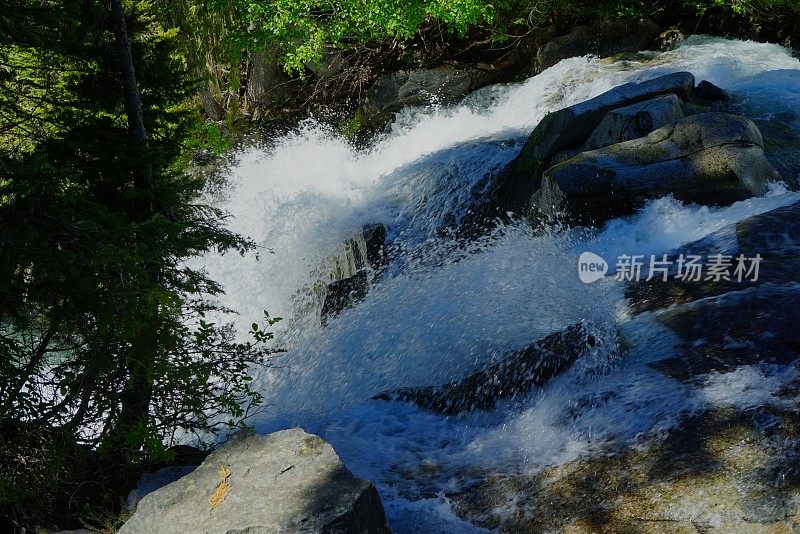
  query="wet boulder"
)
[
  {"x": 358, "y": 263},
  {"x": 670, "y": 38},
  {"x": 569, "y": 128},
  {"x": 708, "y": 158},
  {"x": 442, "y": 85},
  {"x": 754, "y": 325},
  {"x": 288, "y": 481},
  {"x": 708, "y": 92},
  {"x": 375, "y": 249},
  {"x": 571, "y": 125},
  {"x": 365, "y": 249},
  {"x": 341, "y": 294},
  {"x": 516, "y": 374},
  {"x": 634, "y": 121},
  {"x": 742, "y": 318}
]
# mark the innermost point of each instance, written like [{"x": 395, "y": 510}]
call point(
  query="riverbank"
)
[{"x": 354, "y": 87}]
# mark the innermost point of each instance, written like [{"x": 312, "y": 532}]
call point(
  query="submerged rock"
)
[
  {"x": 516, "y": 374},
  {"x": 708, "y": 158},
  {"x": 289, "y": 481}
]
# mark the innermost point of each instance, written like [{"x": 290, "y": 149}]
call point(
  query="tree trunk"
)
[
  {"x": 210, "y": 105},
  {"x": 133, "y": 100},
  {"x": 261, "y": 78},
  {"x": 127, "y": 435}
]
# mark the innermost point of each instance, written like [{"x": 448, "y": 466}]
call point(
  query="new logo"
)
[{"x": 591, "y": 267}]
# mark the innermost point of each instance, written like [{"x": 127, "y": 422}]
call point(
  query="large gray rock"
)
[
  {"x": 601, "y": 39},
  {"x": 569, "y": 128},
  {"x": 442, "y": 85},
  {"x": 634, "y": 121},
  {"x": 150, "y": 482},
  {"x": 516, "y": 374},
  {"x": 708, "y": 158},
  {"x": 289, "y": 481}
]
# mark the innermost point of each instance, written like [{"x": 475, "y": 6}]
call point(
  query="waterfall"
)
[{"x": 445, "y": 308}]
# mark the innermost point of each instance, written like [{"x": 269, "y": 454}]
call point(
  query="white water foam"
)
[{"x": 436, "y": 321}]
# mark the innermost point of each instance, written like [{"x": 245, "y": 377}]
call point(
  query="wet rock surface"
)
[
  {"x": 774, "y": 235},
  {"x": 708, "y": 92},
  {"x": 718, "y": 471},
  {"x": 516, "y": 374},
  {"x": 569, "y": 128},
  {"x": 342, "y": 294},
  {"x": 358, "y": 263},
  {"x": 708, "y": 158},
  {"x": 782, "y": 145},
  {"x": 289, "y": 481},
  {"x": 634, "y": 121},
  {"x": 605, "y": 157},
  {"x": 747, "y": 327}
]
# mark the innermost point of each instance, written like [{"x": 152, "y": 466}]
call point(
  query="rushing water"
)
[{"x": 443, "y": 311}]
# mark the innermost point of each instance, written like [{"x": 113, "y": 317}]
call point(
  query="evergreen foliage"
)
[{"x": 106, "y": 334}]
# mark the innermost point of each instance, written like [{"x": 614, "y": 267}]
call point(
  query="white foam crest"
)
[
  {"x": 748, "y": 386},
  {"x": 665, "y": 223}
]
